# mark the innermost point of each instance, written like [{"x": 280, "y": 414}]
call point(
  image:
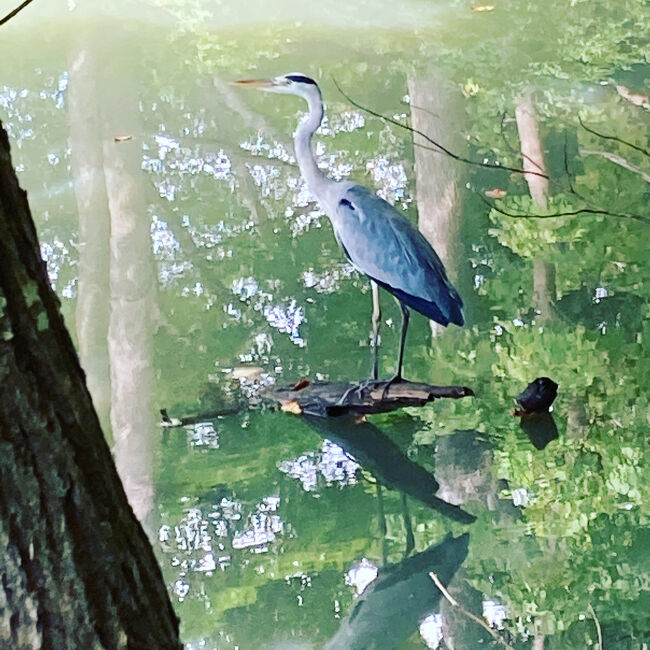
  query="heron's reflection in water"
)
[
  {"x": 395, "y": 603},
  {"x": 378, "y": 454}
]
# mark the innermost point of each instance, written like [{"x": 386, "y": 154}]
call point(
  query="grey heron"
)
[{"x": 377, "y": 239}]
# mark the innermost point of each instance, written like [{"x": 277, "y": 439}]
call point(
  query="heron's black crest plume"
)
[{"x": 299, "y": 78}]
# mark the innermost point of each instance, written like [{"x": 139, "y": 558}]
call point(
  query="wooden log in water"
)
[{"x": 333, "y": 399}]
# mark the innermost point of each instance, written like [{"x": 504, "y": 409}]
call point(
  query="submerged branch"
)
[
  {"x": 333, "y": 399},
  {"x": 598, "y": 630}
]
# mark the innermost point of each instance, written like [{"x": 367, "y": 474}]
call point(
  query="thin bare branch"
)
[
  {"x": 617, "y": 160},
  {"x": 440, "y": 147},
  {"x": 452, "y": 601},
  {"x": 569, "y": 213},
  {"x": 11, "y": 14},
  {"x": 645, "y": 152}
]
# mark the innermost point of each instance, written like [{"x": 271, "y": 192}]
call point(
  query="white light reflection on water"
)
[
  {"x": 494, "y": 613},
  {"x": 55, "y": 254},
  {"x": 203, "y": 434},
  {"x": 431, "y": 631},
  {"x": 174, "y": 165},
  {"x": 361, "y": 575},
  {"x": 286, "y": 318},
  {"x": 203, "y": 543},
  {"x": 331, "y": 462},
  {"x": 327, "y": 281},
  {"x": 390, "y": 179}
]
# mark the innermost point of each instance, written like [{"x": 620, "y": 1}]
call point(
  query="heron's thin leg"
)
[
  {"x": 400, "y": 356},
  {"x": 376, "y": 321}
]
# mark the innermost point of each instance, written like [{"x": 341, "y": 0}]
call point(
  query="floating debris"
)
[
  {"x": 637, "y": 99},
  {"x": 496, "y": 193},
  {"x": 291, "y": 407},
  {"x": 483, "y": 8}
]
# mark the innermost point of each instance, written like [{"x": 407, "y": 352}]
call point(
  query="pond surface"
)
[{"x": 194, "y": 268}]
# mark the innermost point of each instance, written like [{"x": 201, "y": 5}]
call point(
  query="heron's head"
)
[{"x": 294, "y": 83}]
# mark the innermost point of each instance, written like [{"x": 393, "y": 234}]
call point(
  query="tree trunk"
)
[
  {"x": 435, "y": 110},
  {"x": 132, "y": 294},
  {"x": 532, "y": 151},
  {"x": 77, "y": 569},
  {"x": 538, "y": 642},
  {"x": 544, "y": 294},
  {"x": 87, "y": 166}
]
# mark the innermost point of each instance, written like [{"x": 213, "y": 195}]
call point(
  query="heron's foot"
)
[
  {"x": 357, "y": 390},
  {"x": 396, "y": 379}
]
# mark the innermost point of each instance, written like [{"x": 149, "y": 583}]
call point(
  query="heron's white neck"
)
[{"x": 315, "y": 179}]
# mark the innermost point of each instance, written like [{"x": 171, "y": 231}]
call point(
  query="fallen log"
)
[{"x": 334, "y": 399}]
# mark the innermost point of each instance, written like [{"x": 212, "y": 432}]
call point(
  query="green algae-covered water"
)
[{"x": 194, "y": 267}]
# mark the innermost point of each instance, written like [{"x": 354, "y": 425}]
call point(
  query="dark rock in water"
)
[{"x": 538, "y": 396}]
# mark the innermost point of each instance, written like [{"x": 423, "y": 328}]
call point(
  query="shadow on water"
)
[
  {"x": 540, "y": 428},
  {"x": 378, "y": 454}
]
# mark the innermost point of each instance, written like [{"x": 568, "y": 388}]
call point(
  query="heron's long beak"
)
[{"x": 255, "y": 83}]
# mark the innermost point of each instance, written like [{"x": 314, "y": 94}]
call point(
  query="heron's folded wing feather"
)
[{"x": 385, "y": 245}]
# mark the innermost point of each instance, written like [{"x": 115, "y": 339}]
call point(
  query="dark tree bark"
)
[{"x": 77, "y": 568}]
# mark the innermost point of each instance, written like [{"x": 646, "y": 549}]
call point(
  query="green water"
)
[{"x": 200, "y": 253}]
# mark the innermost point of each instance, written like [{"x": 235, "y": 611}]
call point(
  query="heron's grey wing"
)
[{"x": 385, "y": 245}]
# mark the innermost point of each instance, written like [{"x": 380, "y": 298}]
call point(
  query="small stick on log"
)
[
  {"x": 333, "y": 399},
  {"x": 169, "y": 421}
]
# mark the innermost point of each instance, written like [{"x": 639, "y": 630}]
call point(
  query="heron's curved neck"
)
[{"x": 315, "y": 179}]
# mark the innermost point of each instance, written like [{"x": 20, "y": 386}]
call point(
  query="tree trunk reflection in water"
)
[
  {"x": 132, "y": 299},
  {"x": 464, "y": 469},
  {"x": 436, "y": 111},
  {"x": 87, "y": 163},
  {"x": 533, "y": 155}
]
